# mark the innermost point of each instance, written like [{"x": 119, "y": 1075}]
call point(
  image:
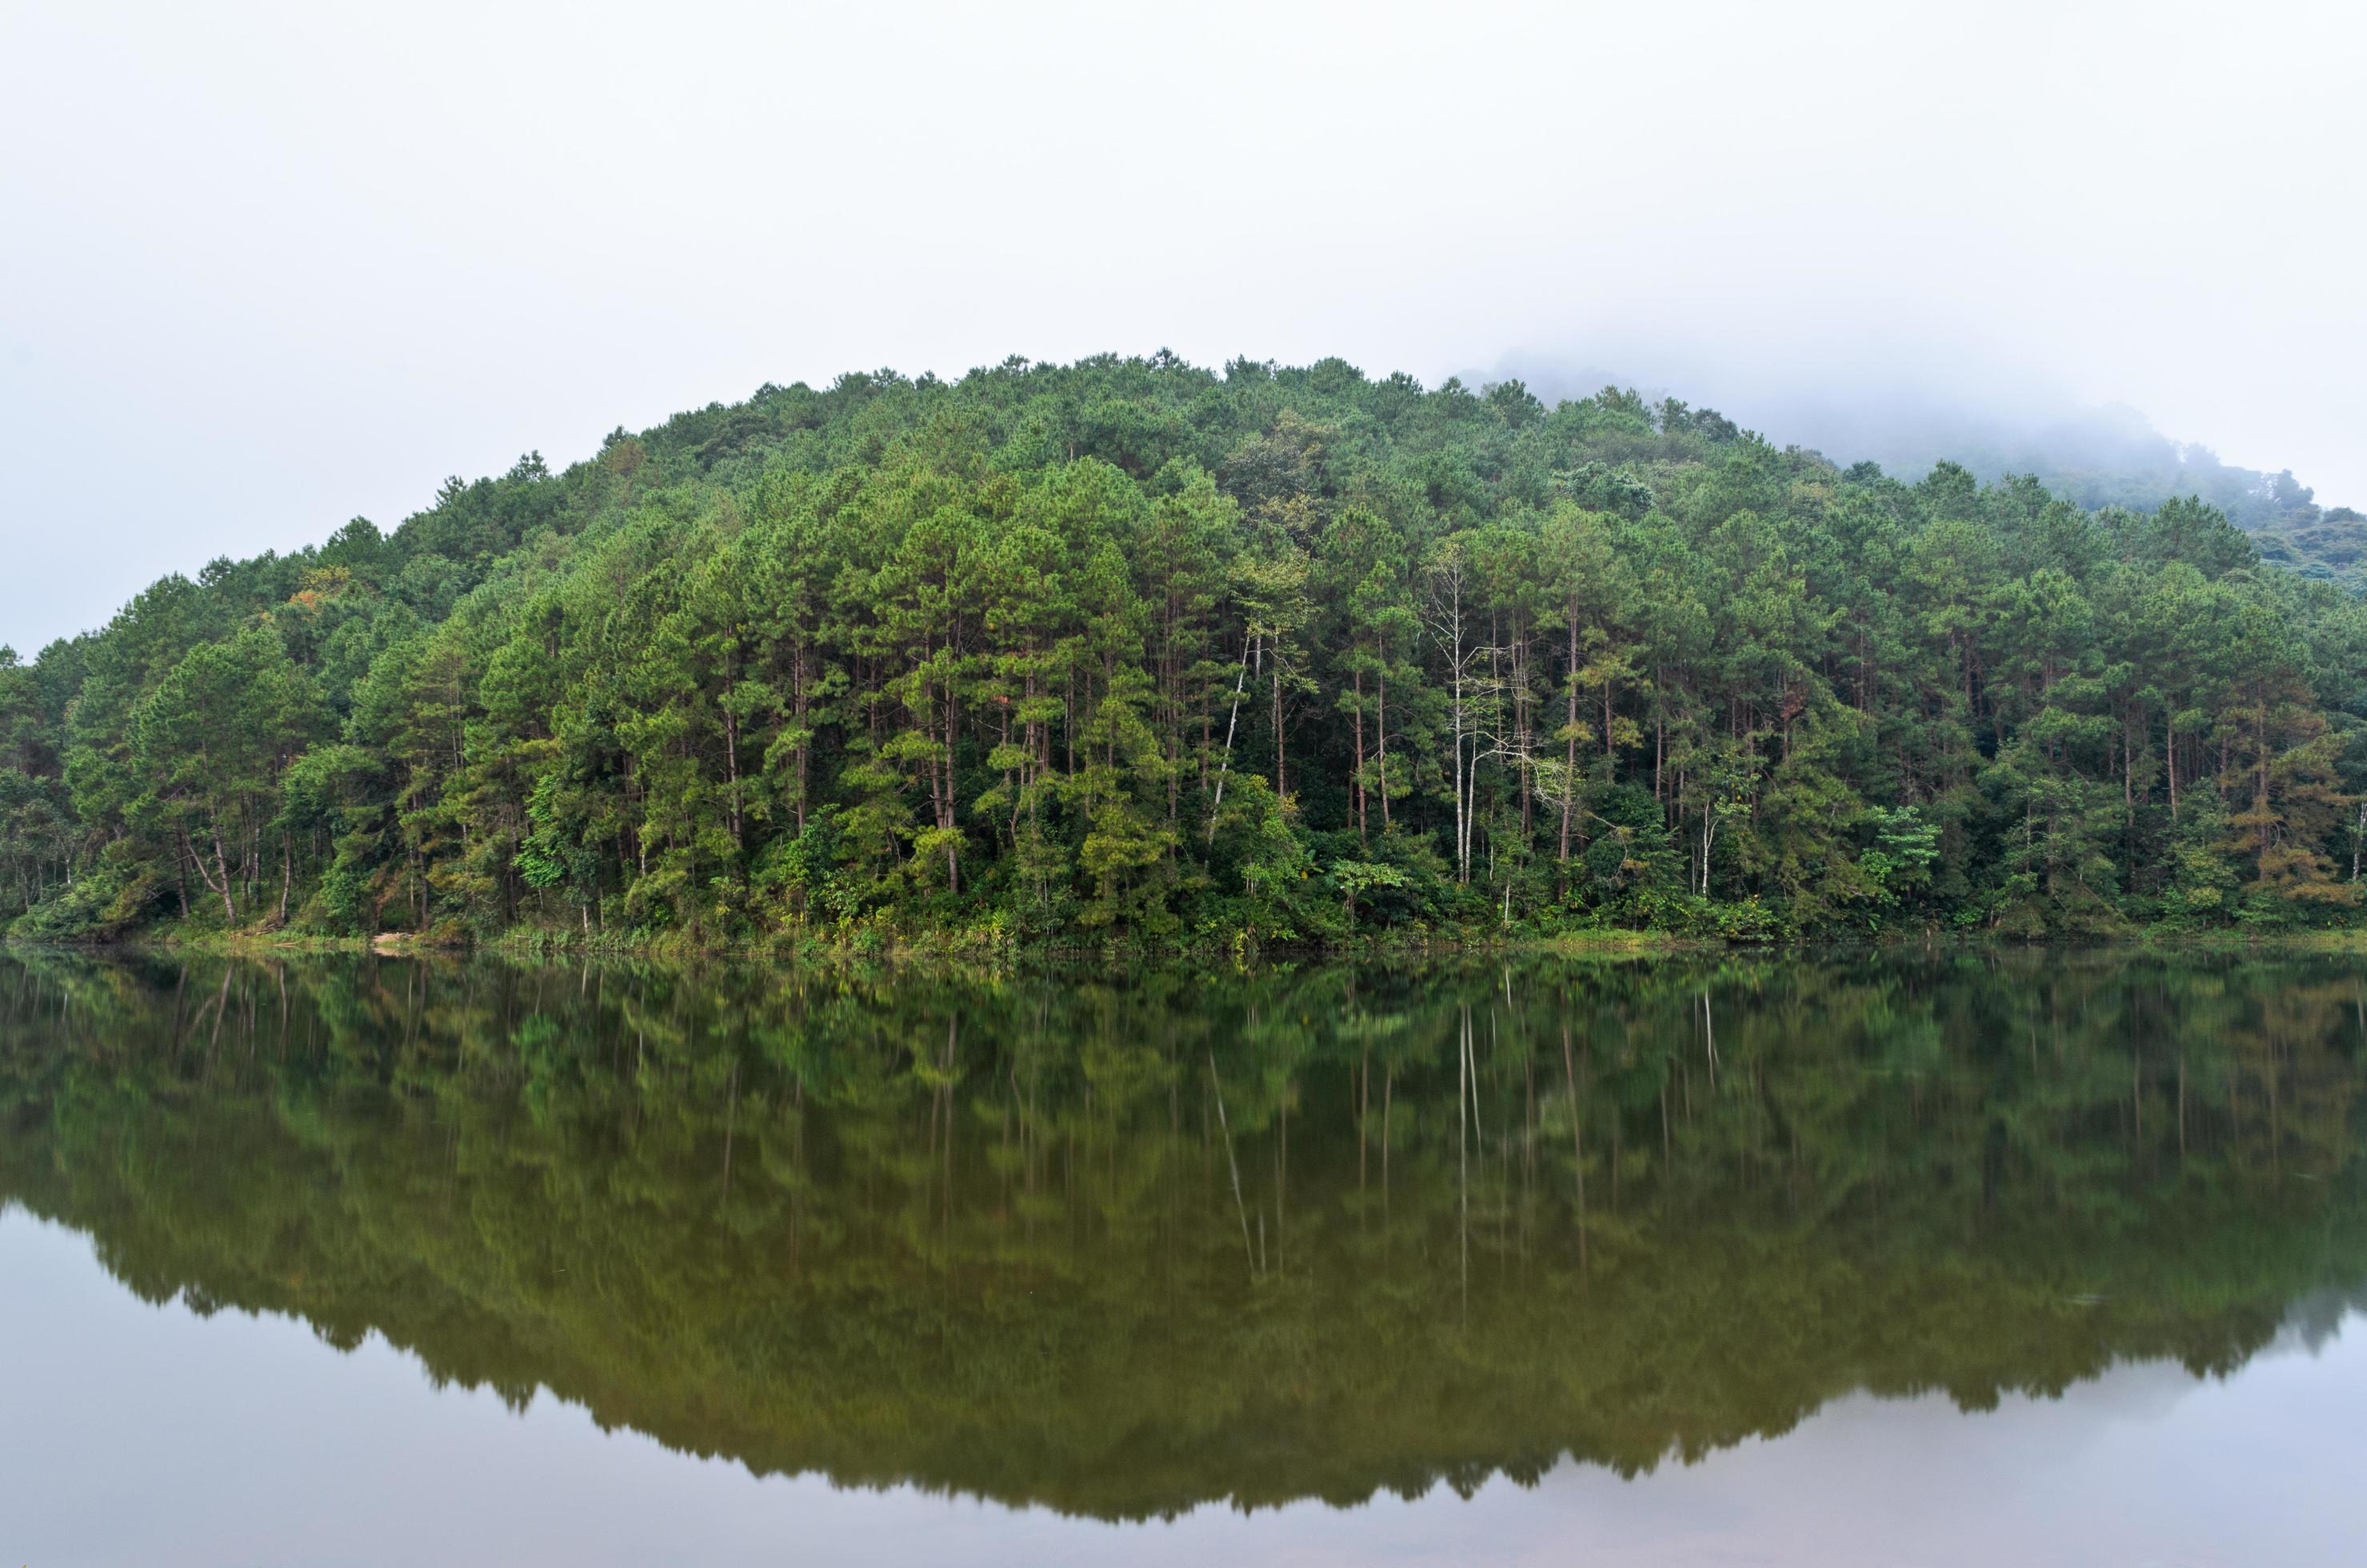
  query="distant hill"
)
[
  {"x": 2097, "y": 457},
  {"x": 2115, "y": 458}
]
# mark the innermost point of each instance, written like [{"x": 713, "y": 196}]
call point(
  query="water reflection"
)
[{"x": 1120, "y": 1248}]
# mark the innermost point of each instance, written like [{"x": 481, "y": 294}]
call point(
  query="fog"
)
[{"x": 265, "y": 268}]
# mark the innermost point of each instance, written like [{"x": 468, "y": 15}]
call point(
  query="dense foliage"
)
[
  {"x": 2281, "y": 514},
  {"x": 1132, "y": 651},
  {"x": 1122, "y": 1247}
]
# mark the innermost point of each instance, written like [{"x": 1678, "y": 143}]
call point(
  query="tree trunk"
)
[
  {"x": 802, "y": 740},
  {"x": 1570, "y": 763},
  {"x": 2260, "y": 780},
  {"x": 1240, "y": 679},
  {"x": 1361, "y": 839},
  {"x": 1520, "y": 696},
  {"x": 1280, "y": 793},
  {"x": 229, "y": 909},
  {"x": 731, "y": 769}
]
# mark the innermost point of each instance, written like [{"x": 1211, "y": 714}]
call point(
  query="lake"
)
[{"x": 1955, "y": 1259}]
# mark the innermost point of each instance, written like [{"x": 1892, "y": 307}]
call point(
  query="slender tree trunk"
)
[
  {"x": 948, "y": 815},
  {"x": 731, "y": 771},
  {"x": 1361, "y": 839},
  {"x": 1706, "y": 834},
  {"x": 1455, "y": 773},
  {"x": 228, "y": 908},
  {"x": 1660, "y": 750},
  {"x": 803, "y": 742},
  {"x": 2260, "y": 779},
  {"x": 1172, "y": 712},
  {"x": 1520, "y": 696},
  {"x": 1240, "y": 681},
  {"x": 1280, "y": 793},
  {"x": 1610, "y": 752},
  {"x": 1569, "y": 762}
]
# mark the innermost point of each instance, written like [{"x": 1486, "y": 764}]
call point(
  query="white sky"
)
[{"x": 263, "y": 267}]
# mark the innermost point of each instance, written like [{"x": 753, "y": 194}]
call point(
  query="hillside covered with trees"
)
[
  {"x": 2093, "y": 456},
  {"x": 2115, "y": 458},
  {"x": 1130, "y": 651}
]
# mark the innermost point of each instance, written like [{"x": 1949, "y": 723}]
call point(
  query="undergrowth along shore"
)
[
  {"x": 525, "y": 943},
  {"x": 876, "y": 945}
]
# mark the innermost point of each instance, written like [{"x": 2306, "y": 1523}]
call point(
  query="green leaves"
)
[
  {"x": 1899, "y": 863},
  {"x": 1123, "y": 650}
]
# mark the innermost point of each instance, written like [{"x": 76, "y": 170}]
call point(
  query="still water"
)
[{"x": 1962, "y": 1259}]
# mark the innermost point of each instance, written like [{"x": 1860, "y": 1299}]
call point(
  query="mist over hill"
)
[{"x": 1994, "y": 424}]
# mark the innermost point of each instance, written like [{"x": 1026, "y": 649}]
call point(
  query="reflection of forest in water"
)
[{"x": 1124, "y": 1246}]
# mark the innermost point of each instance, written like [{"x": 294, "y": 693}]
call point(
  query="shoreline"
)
[{"x": 876, "y": 947}]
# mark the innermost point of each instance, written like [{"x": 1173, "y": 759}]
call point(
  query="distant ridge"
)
[{"x": 2095, "y": 455}]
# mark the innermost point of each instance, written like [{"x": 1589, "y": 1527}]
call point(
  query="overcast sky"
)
[{"x": 265, "y": 268}]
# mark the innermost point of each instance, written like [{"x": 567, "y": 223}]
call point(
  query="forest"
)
[{"x": 1135, "y": 653}]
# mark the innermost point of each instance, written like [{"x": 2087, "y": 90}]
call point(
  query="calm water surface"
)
[{"x": 2031, "y": 1258}]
